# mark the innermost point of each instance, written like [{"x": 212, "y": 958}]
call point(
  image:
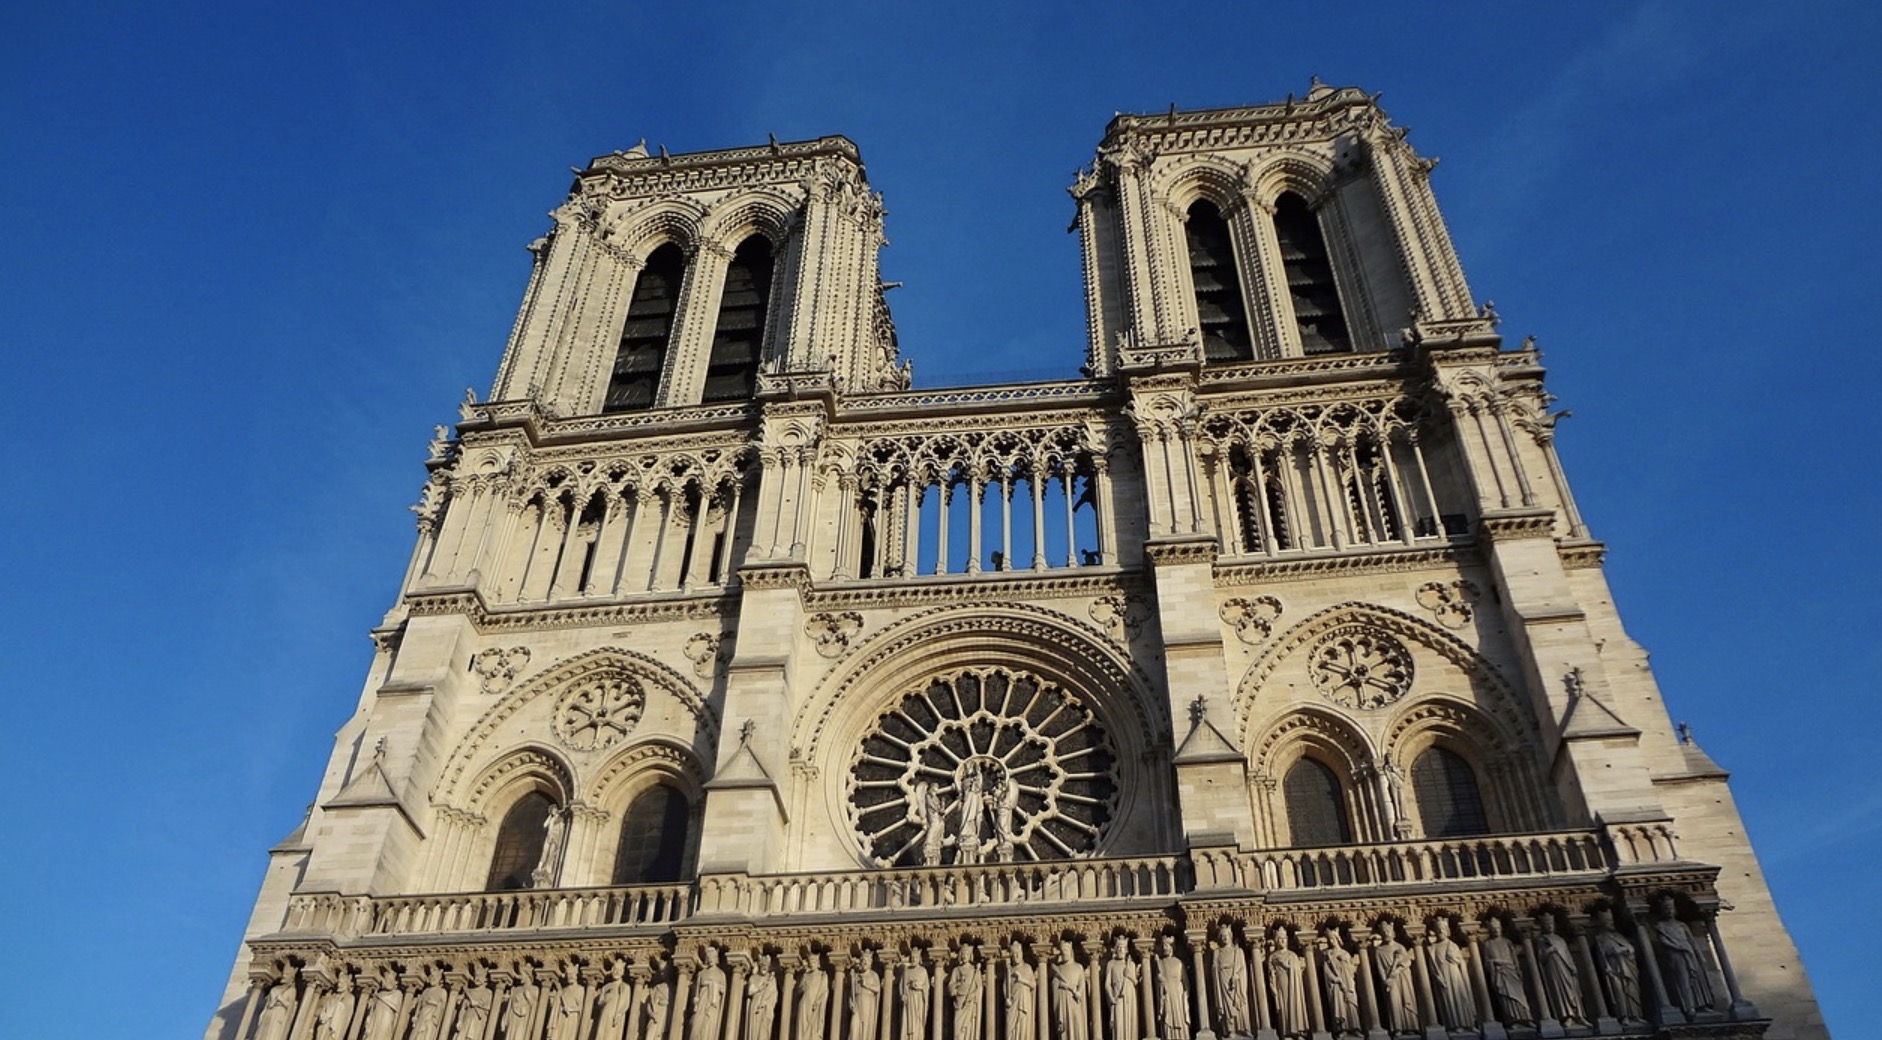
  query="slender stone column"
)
[
  {"x": 1369, "y": 1015},
  {"x": 839, "y": 988},
  {"x": 1665, "y": 1013},
  {"x": 1316, "y": 1010},
  {"x": 1592, "y": 990},
  {"x": 1094, "y": 990},
  {"x": 1427, "y": 1008},
  {"x": 1491, "y": 1027},
  {"x": 1199, "y": 987},
  {"x": 787, "y": 997},
  {"x": 937, "y": 996},
  {"x": 1258, "y": 975},
  {"x": 1742, "y": 1009},
  {"x": 250, "y": 1005},
  {"x": 1146, "y": 991},
  {"x": 676, "y": 1007},
  {"x": 733, "y": 1022},
  {"x": 637, "y": 976},
  {"x": 1548, "y": 1025},
  {"x": 976, "y": 501}
]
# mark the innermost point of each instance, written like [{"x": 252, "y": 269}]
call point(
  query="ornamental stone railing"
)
[
  {"x": 930, "y": 888},
  {"x": 619, "y": 906},
  {"x": 1565, "y": 855}
]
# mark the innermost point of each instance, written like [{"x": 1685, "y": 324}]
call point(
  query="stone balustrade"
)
[
  {"x": 928, "y": 888},
  {"x": 622, "y": 906},
  {"x": 1561, "y": 855}
]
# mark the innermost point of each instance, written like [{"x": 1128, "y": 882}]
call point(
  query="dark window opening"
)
[
  {"x": 519, "y": 842},
  {"x": 653, "y": 838},
  {"x": 649, "y": 328},
  {"x": 1316, "y": 806},
  {"x": 1310, "y": 277},
  {"x": 1219, "y": 310},
  {"x": 1449, "y": 801},
  {"x": 738, "y": 339}
]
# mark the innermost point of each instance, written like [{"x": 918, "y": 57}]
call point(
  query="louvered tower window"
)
[
  {"x": 1316, "y": 807},
  {"x": 1309, "y": 277},
  {"x": 1449, "y": 801},
  {"x": 653, "y": 837},
  {"x": 1219, "y": 310},
  {"x": 732, "y": 369},
  {"x": 519, "y": 842},
  {"x": 649, "y": 328}
]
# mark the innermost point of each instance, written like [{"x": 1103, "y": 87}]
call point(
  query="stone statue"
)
[
  {"x": 429, "y": 1015},
  {"x": 1504, "y": 975},
  {"x": 1068, "y": 996},
  {"x": 277, "y": 1007},
  {"x": 1172, "y": 997},
  {"x": 1392, "y": 961},
  {"x": 382, "y": 1009},
  {"x": 474, "y": 1006},
  {"x": 1450, "y": 976},
  {"x": 611, "y": 1001},
  {"x": 520, "y": 1010},
  {"x": 1005, "y": 818},
  {"x": 1561, "y": 976},
  {"x": 914, "y": 991},
  {"x": 1022, "y": 994},
  {"x": 761, "y": 999},
  {"x": 653, "y": 1011},
  {"x": 1287, "y": 984},
  {"x": 964, "y": 988},
  {"x": 554, "y": 834},
  {"x": 926, "y": 814},
  {"x": 1681, "y": 967},
  {"x": 1339, "y": 976},
  {"x": 865, "y": 996},
  {"x": 1120, "y": 990},
  {"x": 971, "y": 807},
  {"x": 1393, "y": 780},
  {"x": 336, "y": 1010},
  {"x": 565, "y": 1009},
  {"x": 813, "y": 995},
  {"x": 1231, "y": 983},
  {"x": 1620, "y": 974},
  {"x": 708, "y": 996}
]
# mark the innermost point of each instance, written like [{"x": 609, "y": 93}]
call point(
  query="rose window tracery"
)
[
  {"x": 1361, "y": 668},
  {"x": 985, "y": 766},
  {"x": 598, "y": 711}
]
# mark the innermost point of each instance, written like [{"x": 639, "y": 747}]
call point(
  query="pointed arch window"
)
[
  {"x": 1222, "y": 318},
  {"x": 642, "y": 356},
  {"x": 738, "y": 338},
  {"x": 1450, "y": 804},
  {"x": 1309, "y": 272},
  {"x": 1316, "y": 805},
  {"x": 519, "y": 842},
  {"x": 653, "y": 837}
]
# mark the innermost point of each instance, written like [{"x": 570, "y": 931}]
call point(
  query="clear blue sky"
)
[{"x": 248, "y": 258}]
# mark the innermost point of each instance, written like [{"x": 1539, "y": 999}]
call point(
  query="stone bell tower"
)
[{"x": 1260, "y": 682}]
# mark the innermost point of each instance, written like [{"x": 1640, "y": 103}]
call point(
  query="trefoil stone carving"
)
[
  {"x": 705, "y": 651},
  {"x": 1122, "y": 616},
  {"x": 1252, "y": 619},
  {"x": 599, "y": 711},
  {"x": 1360, "y": 667},
  {"x": 1452, "y": 603},
  {"x": 833, "y": 632},
  {"x": 498, "y": 667}
]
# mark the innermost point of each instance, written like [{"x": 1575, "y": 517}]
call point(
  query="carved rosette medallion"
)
[
  {"x": 984, "y": 766},
  {"x": 599, "y": 711},
  {"x": 1361, "y": 668}
]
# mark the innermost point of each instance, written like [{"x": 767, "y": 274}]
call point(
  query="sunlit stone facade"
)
[{"x": 1260, "y": 681}]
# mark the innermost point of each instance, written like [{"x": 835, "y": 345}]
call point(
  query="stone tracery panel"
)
[
  {"x": 984, "y": 765},
  {"x": 1361, "y": 667}
]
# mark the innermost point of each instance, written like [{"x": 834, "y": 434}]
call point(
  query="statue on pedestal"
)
[
  {"x": 1339, "y": 976},
  {"x": 612, "y": 1000},
  {"x": 865, "y": 996},
  {"x": 708, "y": 996},
  {"x": 1120, "y": 990},
  {"x": 1231, "y": 983},
  {"x": 1287, "y": 984},
  {"x": 1392, "y": 962},
  {"x": 1172, "y": 995},
  {"x": 964, "y": 988},
  {"x": 1620, "y": 974},
  {"x": 915, "y": 993},
  {"x": 761, "y": 999},
  {"x": 1504, "y": 975},
  {"x": 1450, "y": 976},
  {"x": 1561, "y": 976},
  {"x": 813, "y": 996},
  {"x": 1687, "y": 985},
  {"x": 1022, "y": 994},
  {"x": 1068, "y": 996}
]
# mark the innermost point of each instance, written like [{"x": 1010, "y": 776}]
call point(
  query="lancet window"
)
[
  {"x": 654, "y": 835},
  {"x": 638, "y": 363},
  {"x": 520, "y": 840},
  {"x": 738, "y": 338},
  {"x": 1309, "y": 271},
  {"x": 1220, "y": 312},
  {"x": 1450, "y": 803},
  {"x": 1316, "y": 805}
]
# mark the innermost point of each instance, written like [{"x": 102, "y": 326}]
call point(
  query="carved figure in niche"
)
[
  {"x": 925, "y": 812},
  {"x": 382, "y": 1011},
  {"x": 964, "y": 988},
  {"x": 565, "y": 1010},
  {"x": 1680, "y": 965},
  {"x": 1392, "y": 778},
  {"x": 554, "y": 834},
  {"x": 428, "y": 1017},
  {"x": 474, "y": 1006},
  {"x": 708, "y": 996},
  {"x": 1068, "y": 996},
  {"x": 1561, "y": 976},
  {"x": 1120, "y": 990},
  {"x": 1620, "y": 973},
  {"x": 277, "y": 1007},
  {"x": 1339, "y": 976},
  {"x": 1504, "y": 976},
  {"x": 1005, "y": 808},
  {"x": 1450, "y": 976},
  {"x": 1392, "y": 961},
  {"x": 1172, "y": 996},
  {"x": 914, "y": 989},
  {"x": 521, "y": 1008},
  {"x": 1287, "y": 983},
  {"x": 611, "y": 1000},
  {"x": 336, "y": 1010},
  {"x": 971, "y": 808},
  {"x": 1231, "y": 983},
  {"x": 653, "y": 1011},
  {"x": 813, "y": 995},
  {"x": 865, "y": 996},
  {"x": 1022, "y": 990},
  {"x": 761, "y": 1000}
]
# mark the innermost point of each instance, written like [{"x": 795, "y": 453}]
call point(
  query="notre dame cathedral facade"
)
[{"x": 1262, "y": 681}]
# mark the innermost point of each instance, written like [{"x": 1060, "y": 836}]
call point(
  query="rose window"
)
[
  {"x": 988, "y": 766},
  {"x": 599, "y": 711},
  {"x": 1361, "y": 668}
]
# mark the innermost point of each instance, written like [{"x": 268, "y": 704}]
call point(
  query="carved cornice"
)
[
  {"x": 676, "y": 606},
  {"x": 1181, "y": 549},
  {"x": 978, "y": 399},
  {"x": 1242, "y": 573},
  {"x": 990, "y": 588},
  {"x": 756, "y": 576},
  {"x": 1582, "y": 555},
  {"x": 1513, "y": 525}
]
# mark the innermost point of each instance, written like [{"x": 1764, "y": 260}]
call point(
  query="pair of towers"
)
[{"x": 724, "y": 650}]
